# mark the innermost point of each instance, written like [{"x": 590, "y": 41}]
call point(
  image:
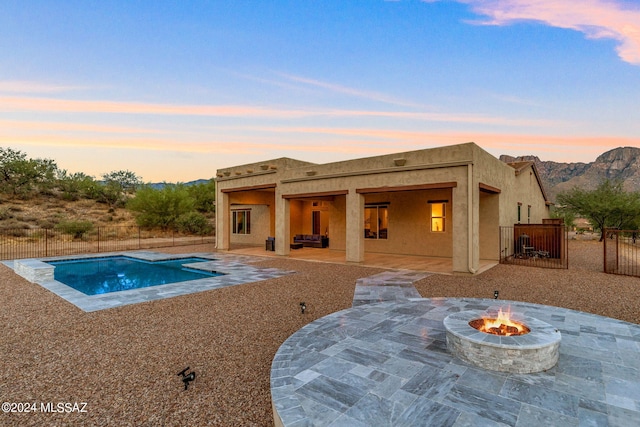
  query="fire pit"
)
[
  {"x": 502, "y": 324},
  {"x": 495, "y": 340}
]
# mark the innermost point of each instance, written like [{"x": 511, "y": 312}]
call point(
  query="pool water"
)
[{"x": 95, "y": 276}]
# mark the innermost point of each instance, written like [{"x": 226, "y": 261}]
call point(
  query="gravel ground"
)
[
  {"x": 123, "y": 362},
  {"x": 582, "y": 287}
]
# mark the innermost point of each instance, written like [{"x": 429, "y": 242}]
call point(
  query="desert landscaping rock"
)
[{"x": 123, "y": 362}]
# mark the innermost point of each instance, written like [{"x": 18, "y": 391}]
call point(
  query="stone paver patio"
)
[{"x": 388, "y": 364}]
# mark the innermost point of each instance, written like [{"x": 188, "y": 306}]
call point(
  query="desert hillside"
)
[{"x": 46, "y": 212}]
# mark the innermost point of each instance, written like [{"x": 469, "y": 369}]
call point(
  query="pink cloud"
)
[
  {"x": 336, "y": 88},
  {"x": 597, "y": 19},
  {"x": 14, "y": 125},
  {"x": 82, "y": 106},
  {"x": 13, "y": 104},
  {"x": 336, "y": 143},
  {"x": 23, "y": 86}
]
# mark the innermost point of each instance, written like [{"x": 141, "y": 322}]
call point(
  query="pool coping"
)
[{"x": 235, "y": 269}]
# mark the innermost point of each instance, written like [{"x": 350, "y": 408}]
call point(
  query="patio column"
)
[
  {"x": 466, "y": 225},
  {"x": 283, "y": 225},
  {"x": 355, "y": 233},
  {"x": 223, "y": 221}
]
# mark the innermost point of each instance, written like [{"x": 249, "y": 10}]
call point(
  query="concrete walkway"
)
[{"x": 388, "y": 286}]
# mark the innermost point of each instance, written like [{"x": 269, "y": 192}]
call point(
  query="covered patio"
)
[{"x": 378, "y": 260}]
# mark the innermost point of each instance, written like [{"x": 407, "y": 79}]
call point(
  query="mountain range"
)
[{"x": 621, "y": 163}]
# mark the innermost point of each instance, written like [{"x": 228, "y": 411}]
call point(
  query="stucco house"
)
[{"x": 443, "y": 202}]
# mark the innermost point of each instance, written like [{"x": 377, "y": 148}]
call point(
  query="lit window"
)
[
  {"x": 241, "y": 222},
  {"x": 438, "y": 215},
  {"x": 376, "y": 221}
]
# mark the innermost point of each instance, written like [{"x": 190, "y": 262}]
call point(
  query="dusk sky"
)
[{"x": 173, "y": 90}]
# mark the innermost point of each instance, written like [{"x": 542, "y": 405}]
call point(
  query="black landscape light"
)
[
  {"x": 187, "y": 378},
  {"x": 303, "y": 307},
  {"x": 495, "y": 294}
]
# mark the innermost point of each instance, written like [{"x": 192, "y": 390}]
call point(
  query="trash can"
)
[{"x": 270, "y": 244}]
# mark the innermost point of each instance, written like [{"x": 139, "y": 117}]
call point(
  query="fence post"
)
[{"x": 604, "y": 252}]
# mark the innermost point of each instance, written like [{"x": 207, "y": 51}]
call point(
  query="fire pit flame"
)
[{"x": 501, "y": 325}]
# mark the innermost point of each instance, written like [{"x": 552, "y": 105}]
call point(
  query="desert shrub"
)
[
  {"x": 75, "y": 228},
  {"x": 193, "y": 222},
  {"x": 14, "y": 228},
  {"x": 16, "y": 232},
  {"x": 47, "y": 223},
  {"x": 160, "y": 208},
  {"x": 5, "y": 213},
  {"x": 13, "y": 223},
  {"x": 204, "y": 196}
]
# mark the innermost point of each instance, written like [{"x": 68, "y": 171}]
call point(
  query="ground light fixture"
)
[
  {"x": 187, "y": 378},
  {"x": 303, "y": 307},
  {"x": 495, "y": 294}
]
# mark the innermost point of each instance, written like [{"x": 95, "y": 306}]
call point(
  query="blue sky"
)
[{"x": 173, "y": 90}]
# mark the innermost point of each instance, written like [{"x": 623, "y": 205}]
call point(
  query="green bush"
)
[
  {"x": 160, "y": 208},
  {"x": 193, "y": 222},
  {"x": 76, "y": 228}
]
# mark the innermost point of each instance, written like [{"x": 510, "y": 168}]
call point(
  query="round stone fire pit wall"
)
[{"x": 533, "y": 352}]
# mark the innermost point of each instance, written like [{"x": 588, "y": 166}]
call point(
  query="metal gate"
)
[
  {"x": 535, "y": 245},
  {"x": 621, "y": 252}
]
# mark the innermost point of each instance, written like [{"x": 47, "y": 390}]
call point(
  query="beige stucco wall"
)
[
  {"x": 453, "y": 173},
  {"x": 260, "y": 227},
  {"x": 409, "y": 231},
  {"x": 489, "y": 216}
]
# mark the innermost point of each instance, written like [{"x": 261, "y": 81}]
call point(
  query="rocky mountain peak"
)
[{"x": 621, "y": 163}]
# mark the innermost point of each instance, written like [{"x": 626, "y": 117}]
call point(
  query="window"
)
[
  {"x": 529, "y": 214},
  {"x": 376, "y": 221},
  {"x": 438, "y": 215},
  {"x": 241, "y": 222},
  {"x": 519, "y": 211}
]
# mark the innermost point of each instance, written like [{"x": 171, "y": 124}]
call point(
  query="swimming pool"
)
[
  {"x": 94, "y": 276},
  {"x": 233, "y": 270}
]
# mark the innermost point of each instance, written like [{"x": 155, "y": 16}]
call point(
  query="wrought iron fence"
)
[
  {"x": 535, "y": 245},
  {"x": 621, "y": 252},
  {"x": 43, "y": 242}
]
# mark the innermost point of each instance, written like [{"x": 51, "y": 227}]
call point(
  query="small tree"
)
[
  {"x": 606, "y": 206},
  {"x": 117, "y": 185},
  {"x": 76, "y": 228},
  {"x": 76, "y": 185},
  {"x": 160, "y": 208},
  {"x": 20, "y": 176},
  {"x": 568, "y": 216}
]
